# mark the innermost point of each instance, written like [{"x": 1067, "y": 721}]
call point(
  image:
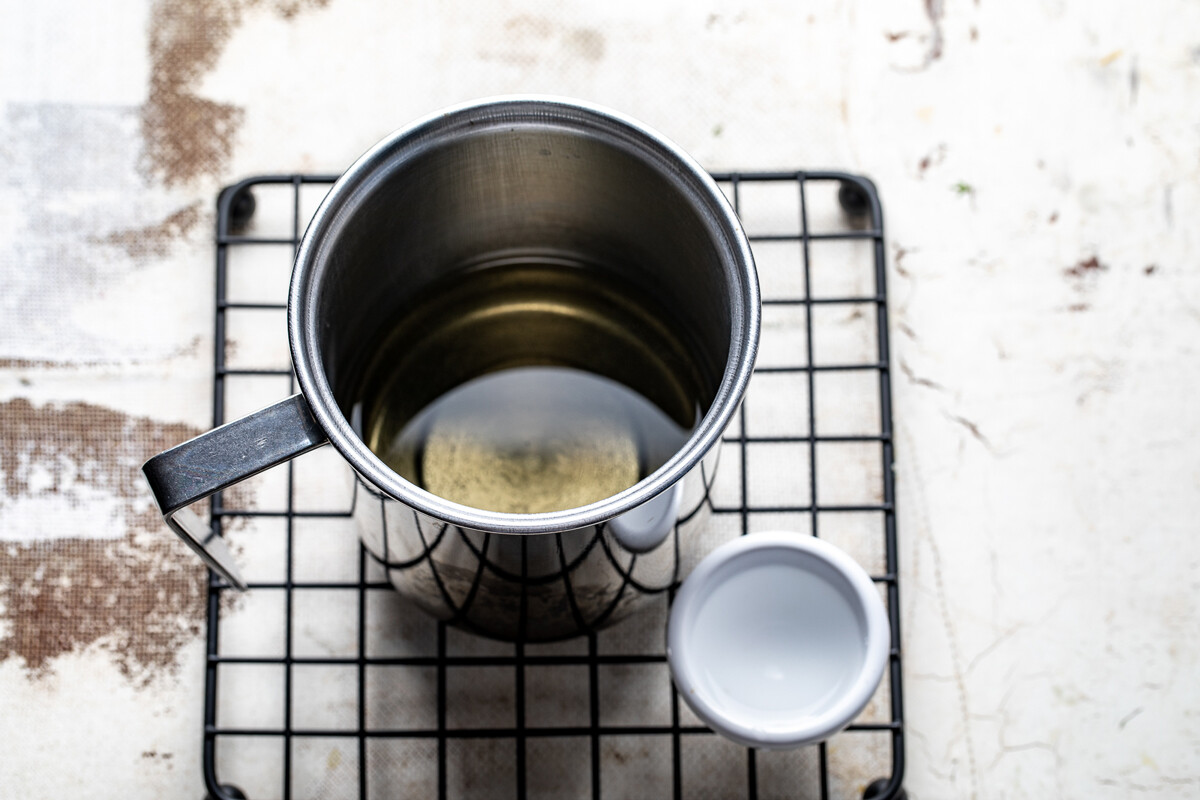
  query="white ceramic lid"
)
[{"x": 777, "y": 640}]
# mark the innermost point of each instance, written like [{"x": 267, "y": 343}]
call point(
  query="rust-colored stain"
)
[
  {"x": 139, "y": 594},
  {"x": 528, "y": 39},
  {"x": 156, "y": 240},
  {"x": 186, "y": 135},
  {"x": 1087, "y": 266},
  {"x": 190, "y": 350}
]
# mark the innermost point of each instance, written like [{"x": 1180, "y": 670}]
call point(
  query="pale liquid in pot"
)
[
  {"x": 531, "y": 388},
  {"x": 533, "y": 439}
]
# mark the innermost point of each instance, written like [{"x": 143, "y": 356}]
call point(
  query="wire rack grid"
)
[{"x": 322, "y": 682}]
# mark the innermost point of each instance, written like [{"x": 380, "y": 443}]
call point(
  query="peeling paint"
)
[
  {"x": 85, "y": 558},
  {"x": 188, "y": 136},
  {"x": 155, "y": 240}
]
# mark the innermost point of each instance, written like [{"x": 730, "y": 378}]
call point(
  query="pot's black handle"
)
[{"x": 220, "y": 458}]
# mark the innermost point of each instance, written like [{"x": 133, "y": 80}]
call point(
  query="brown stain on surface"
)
[
  {"x": 1085, "y": 267},
  {"x": 586, "y": 43},
  {"x": 186, "y": 135},
  {"x": 156, "y": 239},
  {"x": 190, "y": 350},
  {"x": 527, "y": 40},
  {"x": 140, "y": 595},
  {"x": 932, "y": 159}
]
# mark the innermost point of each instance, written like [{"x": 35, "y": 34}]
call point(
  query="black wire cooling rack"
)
[{"x": 321, "y": 682}]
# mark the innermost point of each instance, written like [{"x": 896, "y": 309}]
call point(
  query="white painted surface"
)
[{"x": 1049, "y": 481}]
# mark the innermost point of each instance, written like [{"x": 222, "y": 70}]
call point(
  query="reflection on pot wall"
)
[{"x": 531, "y": 587}]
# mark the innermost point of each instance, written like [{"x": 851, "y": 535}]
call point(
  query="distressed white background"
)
[{"x": 1039, "y": 165}]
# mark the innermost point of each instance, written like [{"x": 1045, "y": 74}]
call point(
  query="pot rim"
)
[{"x": 693, "y": 182}]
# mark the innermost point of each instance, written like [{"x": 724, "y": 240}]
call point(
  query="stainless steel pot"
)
[{"x": 517, "y": 176}]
